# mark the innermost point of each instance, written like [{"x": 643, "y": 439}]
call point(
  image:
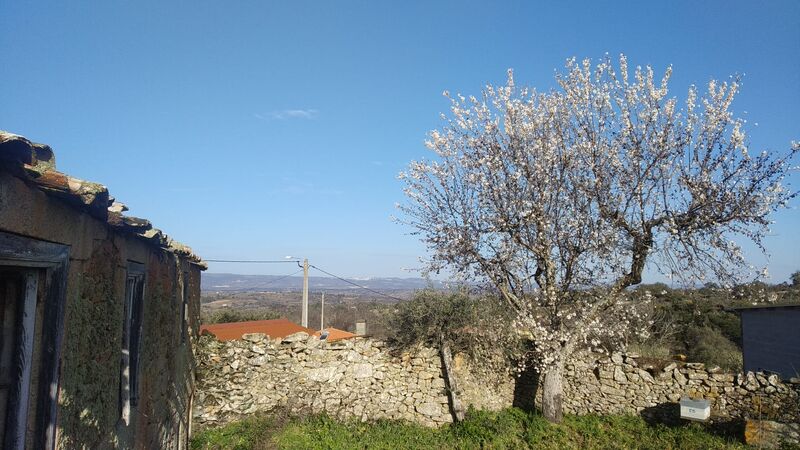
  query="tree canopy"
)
[{"x": 560, "y": 199}]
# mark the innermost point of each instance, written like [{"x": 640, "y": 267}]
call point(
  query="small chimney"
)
[{"x": 361, "y": 328}]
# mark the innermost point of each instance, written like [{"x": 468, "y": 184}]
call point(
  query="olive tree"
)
[
  {"x": 455, "y": 322},
  {"x": 560, "y": 199},
  {"x": 795, "y": 278}
]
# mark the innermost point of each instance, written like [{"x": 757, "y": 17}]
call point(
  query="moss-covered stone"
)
[{"x": 91, "y": 354}]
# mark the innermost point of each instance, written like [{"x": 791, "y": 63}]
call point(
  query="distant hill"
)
[{"x": 229, "y": 282}]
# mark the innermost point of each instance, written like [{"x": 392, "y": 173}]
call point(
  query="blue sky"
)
[{"x": 264, "y": 129}]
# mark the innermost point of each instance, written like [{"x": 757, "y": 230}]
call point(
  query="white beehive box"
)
[{"x": 695, "y": 409}]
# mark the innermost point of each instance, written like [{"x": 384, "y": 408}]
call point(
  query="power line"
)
[
  {"x": 310, "y": 265},
  {"x": 253, "y": 261},
  {"x": 355, "y": 284},
  {"x": 259, "y": 288}
]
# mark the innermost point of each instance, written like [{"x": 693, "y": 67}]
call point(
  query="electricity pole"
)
[
  {"x": 305, "y": 293},
  {"x": 322, "y": 313}
]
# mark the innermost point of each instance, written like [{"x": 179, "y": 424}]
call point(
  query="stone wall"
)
[
  {"x": 348, "y": 378},
  {"x": 627, "y": 384},
  {"x": 361, "y": 378}
]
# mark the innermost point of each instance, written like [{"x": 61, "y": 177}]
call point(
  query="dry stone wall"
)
[
  {"x": 626, "y": 384},
  {"x": 360, "y": 378},
  {"x": 348, "y": 378}
]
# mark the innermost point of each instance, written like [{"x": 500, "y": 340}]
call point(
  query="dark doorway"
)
[
  {"x": 32, "y": 292},
  {"x": 18, "y": 295}
]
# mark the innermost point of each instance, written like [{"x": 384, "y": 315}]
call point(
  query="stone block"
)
[
  {"x": 255, "y": 337},
  {"x": 692, "y": 375},
  {"x": 608, "y": 390},
  {"x": 645, "y": 376},
  {"x": 429, "y": 409},
  {"x": 679, "y": 377},
  {"x": 773, "y": 380},
  {"x": 363, "y": 370},
  {"x": 723, "y": 377},
  {"x": 322, "y": 374},
  {"x": 258, "y": 361},
  {"x": 258, "y": 349},
  {"x": 296, "y": 337}
]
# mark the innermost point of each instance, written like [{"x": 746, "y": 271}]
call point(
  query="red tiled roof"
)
[
  {"x": 334, "y": 334},
  {"x": 275, "y": 329}
]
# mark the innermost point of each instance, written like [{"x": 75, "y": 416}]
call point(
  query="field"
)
[
  {"x": 508, "y": 429},
  {"x": 695, "y": 324}
]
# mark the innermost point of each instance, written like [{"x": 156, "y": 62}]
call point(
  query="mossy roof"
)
[{"x": 35, "y": 164}]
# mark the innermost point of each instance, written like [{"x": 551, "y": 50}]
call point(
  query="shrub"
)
[
  {"x": 237, "y": 315},
  {"x": 472, "y": 325},
  {"x": 708, "y": 345}
]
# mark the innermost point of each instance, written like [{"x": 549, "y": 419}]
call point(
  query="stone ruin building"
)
[{"x": 99, "y": 314}]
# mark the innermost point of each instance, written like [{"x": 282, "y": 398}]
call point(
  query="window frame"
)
[
  {"x": 51, "y": 260},
  {"x": 185, "y": 307},
  {"x": 133, "y": 310}
]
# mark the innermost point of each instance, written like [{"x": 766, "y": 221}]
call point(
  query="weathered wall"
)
[
  {"x": 347, "y": 378},
  {"x": 361, "y": 378},
  {"x": 89, "y": 409},
  {"x": 621, "y": 384},
  {"x": 770, "y": 340}
]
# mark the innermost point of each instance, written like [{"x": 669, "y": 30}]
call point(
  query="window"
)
[
  {"x": 185, "y": 308},
  {"x": 32, "y": 292},
  {"x": 131, "y": 340},
  {"x": 18, "y": 293}
]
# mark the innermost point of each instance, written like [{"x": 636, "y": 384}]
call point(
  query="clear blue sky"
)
[{"x": 263, "y": 129}]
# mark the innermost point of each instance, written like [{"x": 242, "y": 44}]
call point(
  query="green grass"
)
[{"x": 508, "y": 429}]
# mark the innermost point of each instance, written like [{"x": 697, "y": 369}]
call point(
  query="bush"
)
[
  {"x": 477, "y": 326},
  {"x": 710, "y": 346},
  {"x": 652, "y": 350},
  {"x": 237, "y": 315}
]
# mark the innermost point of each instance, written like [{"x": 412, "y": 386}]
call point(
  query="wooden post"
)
[
  {"x": 456, "y": 407},
  {"x": 304, "y": 319},
  {"x": 15, "y": 434}
]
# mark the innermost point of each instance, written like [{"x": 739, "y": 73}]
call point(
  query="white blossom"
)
[{"x": 559, "y": 199}]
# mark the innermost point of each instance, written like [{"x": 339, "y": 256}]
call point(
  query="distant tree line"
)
[{"x": 695, "y": 323}]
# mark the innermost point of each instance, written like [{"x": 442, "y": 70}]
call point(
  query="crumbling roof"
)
[
  {"x": 36, "y": 165},
  {"x": 274, "y": 328}
]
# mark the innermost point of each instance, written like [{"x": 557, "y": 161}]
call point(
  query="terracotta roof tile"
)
[
  {"x": 35, "y": 164},
  {"x": 335, "y": 334},
  {"x": 275, "y": 329}
]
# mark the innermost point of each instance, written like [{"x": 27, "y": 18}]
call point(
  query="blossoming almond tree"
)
[{"x": 559, "y": 199}]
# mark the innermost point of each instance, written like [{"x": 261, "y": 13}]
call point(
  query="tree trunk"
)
[
  {"x": 456, "y": 407},
  {"x": 553, "y": 394}
]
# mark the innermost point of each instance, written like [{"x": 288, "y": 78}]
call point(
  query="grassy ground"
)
[{"x": 508, "y": 429}]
